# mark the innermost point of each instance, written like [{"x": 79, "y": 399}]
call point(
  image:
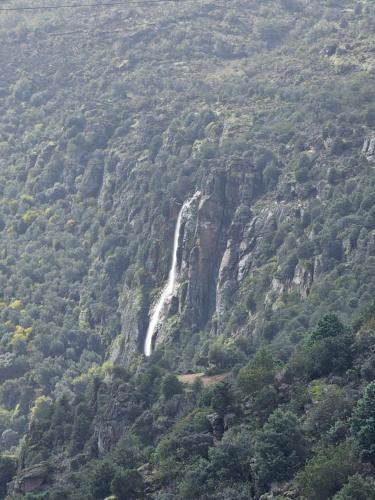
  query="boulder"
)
[{"x": 31, "y": 479}]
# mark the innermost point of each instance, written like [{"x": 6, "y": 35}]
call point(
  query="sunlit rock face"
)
[{"x": 369, "y": 148}]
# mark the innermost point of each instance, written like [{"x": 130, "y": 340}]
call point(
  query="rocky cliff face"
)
[
  {"x": 233, "y": 231},
  {"x": 199, "y": 262},
  {"x": 206, "y": 226},
  {"x": 134, "y": 324}
]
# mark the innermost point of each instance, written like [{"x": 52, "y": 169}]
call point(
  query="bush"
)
[
  {"x": 328, "y": 327},
  {"x": 357, "y": 488},
  {"x": 127, "y": 485},
  {"x": 170, "y": 386},
  {"x": 271, "y": 175},
  {"x": 332, "y": 404},
  {"x": 305, "y": 250},
  {"x": 327, "y": 351},
  {"x": 279, "y": 449},
  {"x": 258, "y": 373},
  {"x": 100, "y": 479},
  {"x": 272, "y": 32},
  {"x": 326, "y": 473},
  {"x": 222, "y": 357},
  {"x": 288, "y": 268},
  {"x": 370, "y": 117},
  {"x": 231, "y": 458},
  {"x": 8, "y": 469},
  {"x": 363, "y": 423},
  {"x": 302, "y": 175}
]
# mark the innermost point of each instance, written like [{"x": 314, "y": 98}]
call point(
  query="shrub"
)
[
  {"x": 370, "y": 117},
  {"x": 363, "y": 423},
  {"x": 326, "y": 473},
  {"x": 170, "y": 385},
  {"x": 258, "y": 373},
  {"x": 222, "y": 357},
  {"x": 327, "y": 351},
  {"x": 272, "y": 32},
  {"x": 8, "y": 469},
  {"x": 127, "y": 485},
  {"x": 279, "y": 449},
  {"x": 357, "y": 488}
]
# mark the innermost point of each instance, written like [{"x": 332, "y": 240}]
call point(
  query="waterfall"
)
[{"x": 169, "y": 288}]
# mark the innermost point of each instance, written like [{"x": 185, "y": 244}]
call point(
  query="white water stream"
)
[{"x": 169, "y": 288}]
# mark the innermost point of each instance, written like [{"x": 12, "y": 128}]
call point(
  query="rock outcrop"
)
[
  {"x": 31, "y": 479},
  {"x": 92, "y": 178},
  {"x": 369, "y": 148},
  {"x": 201, "y": 262},
  {"x": 134, "y": 324}
]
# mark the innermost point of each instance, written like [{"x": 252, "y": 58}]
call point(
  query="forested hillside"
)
[{"x": 257, "y": 117}]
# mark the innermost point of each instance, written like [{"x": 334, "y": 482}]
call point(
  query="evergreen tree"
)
[
  {"x": 127, "y": 485},
  {"x": 363, "y": 423},
  {"x": 280, "y": 448}
]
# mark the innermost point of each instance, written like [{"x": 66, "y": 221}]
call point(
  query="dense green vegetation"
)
[
  {"x": 273, "y": 422},
  {"x": 110, "y": 119}
]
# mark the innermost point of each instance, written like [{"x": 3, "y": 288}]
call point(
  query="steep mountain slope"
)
[{"x": 260, "y": 113}]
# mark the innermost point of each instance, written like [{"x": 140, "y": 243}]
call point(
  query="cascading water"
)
[{"x": 169, "y": 288}]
